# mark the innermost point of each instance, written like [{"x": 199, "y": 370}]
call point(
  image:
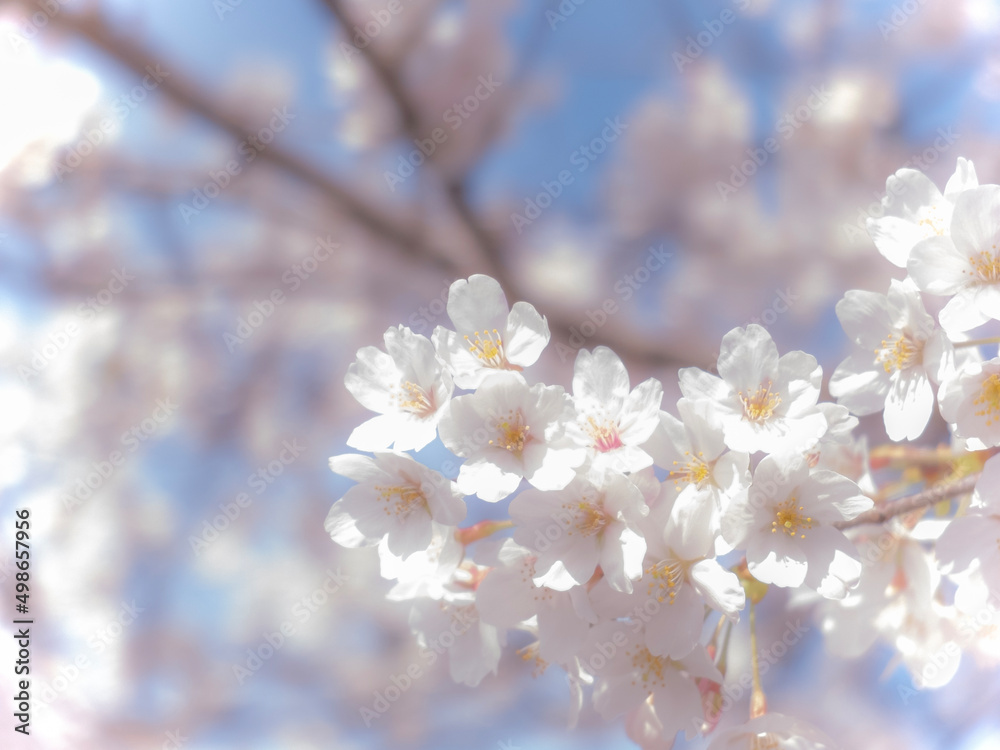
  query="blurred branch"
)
[
  {"x": 618, "y": 334},
  {"x": 925, "y": 499}
]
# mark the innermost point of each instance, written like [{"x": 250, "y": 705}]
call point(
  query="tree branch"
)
[
  {"x": 882, "y": 513},
  {"x": 618, "y": 335}
]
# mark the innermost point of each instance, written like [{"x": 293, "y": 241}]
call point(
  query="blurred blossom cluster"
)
[{"x": 208, "y": 208}]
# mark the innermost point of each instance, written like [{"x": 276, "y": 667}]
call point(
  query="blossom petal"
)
[{"x": 526, "y": 335}]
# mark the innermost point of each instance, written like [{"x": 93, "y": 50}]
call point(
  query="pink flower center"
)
[{"x": 604, "y": 434}]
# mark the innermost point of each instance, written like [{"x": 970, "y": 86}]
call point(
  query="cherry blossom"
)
[
  {"x": 397, "y": 498},
  {"x": 785, "y": 524},
  {"x": 426, "y": 573},
  {"x": 406, "y": 384},
  {"x": 965, "y": 263},
  {"x": 973, "y": 541},
  {"x": 613, "y": 420},
  {"x": 765, "y": 403},
  {"x": 454, "y": 626},
  {"x": 680, "y": 578},
  {"x": 507, "y": 430},
  {"x": 488, "y": 336},
  {"x": 508, "y": 596},
  {"x": 915, "y": 209},
  {"x": 593, "y": 521},
  {"x": 628, "y": 674},
  {"x": 970, "y": 401},
  {"x": 705, "y": 474},
  {"x": 902, "y": 353}
]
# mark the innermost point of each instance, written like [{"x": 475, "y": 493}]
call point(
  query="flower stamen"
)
[
  {"x": 985, "y": 266},
  {"x": 898, "y": 352},
  {"x": 790, "y": 520},
  {"x": 761, "y": 405},
  {"x": 408, "y": 498},
  {"x": 513, "y": 434},
  {"x": 989, "y": 399},
  {"x": 667, "y": 577},
  {"x": 695, "y": 471},
  {"x": 605, "y": 435},
  {"x": 414, "y": 399},
  {"x": 488, "y": 347},
  {"x": 650, "y": 668}
]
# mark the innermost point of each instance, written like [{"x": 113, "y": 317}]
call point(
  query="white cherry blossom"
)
[
  {"x": 965, "y": 263},
  {"x": 455, "y": 627},
  {"x": 613, "y": 420},
  {"x": 397, "y": 498},
  {"x": 680, "y": 578},
  {"x": 970, "y": 402},
  {"x": 507, "y": 430},
  {"x": 902, "y": 355},
  {"x": 705, "y": 475},
  {"x": 915, "y": 209},
  {"x": 406, "y": 384},
  {"x": 593, "y": 521},
  {"x": 785, "y": 524},
  {"x": 628, "y": 674},
  {"x": 426, "y": 573},
  {"x": 508, "y": 596},
  {"x": 489, "y": 336},
  {"x": 765, "y": 403},
  {"x": 972, "y": 541}
]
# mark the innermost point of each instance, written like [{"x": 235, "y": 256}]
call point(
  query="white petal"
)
[
  {"x": 477, "y": 304},
  {"x": 860, "y": 385},
  {"x": 748, "y": 357},
  {"x": 938, "y": 266},
  {"x": 865, "y": 317},
  {"x": 964, "y": 178},
  {"x": 491, "y": 479},
  {"x": 963, "y": 313},
  {"x": 834, "y": 563},
  {"x": 909, "y": 405},
  {"x": 894, "y": 237},
  {"x": 975, "y": 224},
  {"x": 719, "y": 586},
  {"x": 776, "y": 559},
  {"x": 526, "y": 336}
]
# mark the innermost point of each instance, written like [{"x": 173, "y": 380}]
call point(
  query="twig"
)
[{"x": 884, "y": 512}]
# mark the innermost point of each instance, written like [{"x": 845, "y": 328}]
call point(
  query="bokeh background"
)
[{"x": 166, "y": 167}]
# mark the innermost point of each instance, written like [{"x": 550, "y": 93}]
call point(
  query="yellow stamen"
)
[
  {"x": 414, "y": 399},
  {"x": 789, "y": 519},
  {"x": 761, "y": 405},
  {"x": 651, "y": 669},
  {"x": 667, "y": 577},
  {"x": 530, "y": 653},
  {"x": 985, "y": 266},
  {"x": 488, "y": 346},
  {"x": 695, "y": 471},
  {"x": 408, "y": 498},
  {"x": 898, "y": 352},
  {"x": 989, "y": 400},
  {"x": 513, "y": 433}
]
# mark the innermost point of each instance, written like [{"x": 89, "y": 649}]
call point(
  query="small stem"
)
[
  {"x": 924, "y": 499},
  {"x": 758, "y": 701},
  {"x": 976, "y": 342},
  {"x": 481, "y": 530}
]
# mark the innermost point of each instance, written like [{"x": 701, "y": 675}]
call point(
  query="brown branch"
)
[
  {"x": 882, "y": 513},
  {"x": 617, "y": 335}
]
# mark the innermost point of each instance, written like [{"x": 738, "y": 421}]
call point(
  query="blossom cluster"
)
[{"x": 638, "y": 534}]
